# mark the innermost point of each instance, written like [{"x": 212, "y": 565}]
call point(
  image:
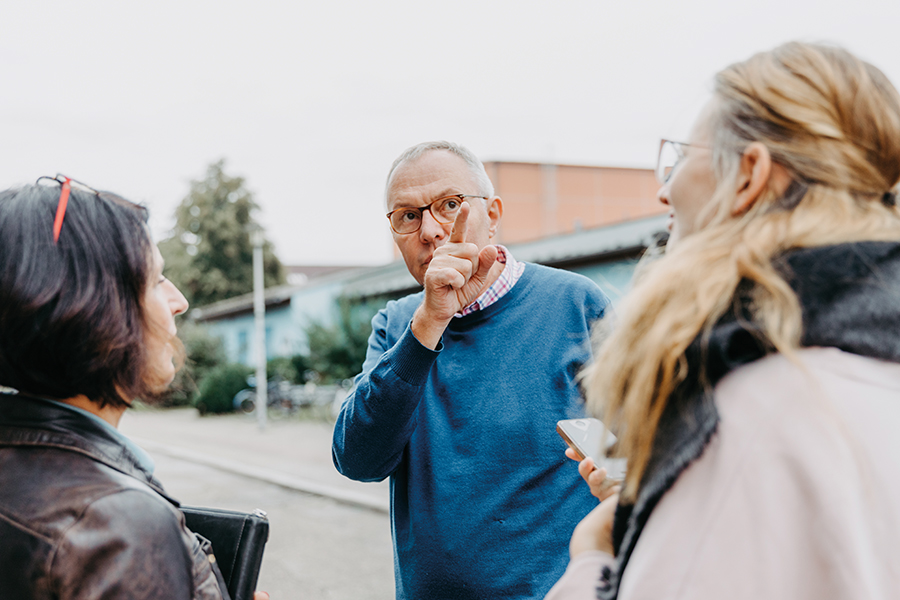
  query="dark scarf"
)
[{"x": 850, "y": 296}]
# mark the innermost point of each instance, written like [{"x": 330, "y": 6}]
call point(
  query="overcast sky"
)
[{"x": 312, "y": 101}]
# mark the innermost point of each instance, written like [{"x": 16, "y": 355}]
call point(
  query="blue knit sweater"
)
[{"x": 483, "y": 500}]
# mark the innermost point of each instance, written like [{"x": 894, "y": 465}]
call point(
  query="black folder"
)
[{"x": 238, "y": 540}]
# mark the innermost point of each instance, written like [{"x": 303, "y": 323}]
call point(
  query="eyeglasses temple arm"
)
[{"x": 61, "y": 209}]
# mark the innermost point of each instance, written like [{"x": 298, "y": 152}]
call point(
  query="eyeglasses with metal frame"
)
[
  {"x": 67, "y": 184},
  {"x": 408, "y": 219},
  {"x": 670, "y": 155}
]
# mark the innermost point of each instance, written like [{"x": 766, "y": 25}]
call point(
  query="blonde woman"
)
[{"x": 753, "y": 376}]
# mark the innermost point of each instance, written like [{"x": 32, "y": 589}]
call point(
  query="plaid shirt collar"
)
[{"x": 499, "y": 288}]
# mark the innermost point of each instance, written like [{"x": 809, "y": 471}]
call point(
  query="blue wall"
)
[
  {"x": 316, "y": 302},
  {"x": 237, "y": 335},
  {"x": 285, "y": 325}
]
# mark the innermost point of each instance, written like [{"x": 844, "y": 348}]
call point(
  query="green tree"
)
[
  {"x": 337, "y": 352},
  {"x": 209, "y": 255}
]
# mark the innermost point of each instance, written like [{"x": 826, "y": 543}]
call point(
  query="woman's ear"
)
[{"x": 753, "y": 177}]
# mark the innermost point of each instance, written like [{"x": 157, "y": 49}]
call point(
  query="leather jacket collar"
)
[{"x": 29, "y": 421}]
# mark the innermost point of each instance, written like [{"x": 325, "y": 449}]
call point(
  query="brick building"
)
[{"x": 543, "y": 200}]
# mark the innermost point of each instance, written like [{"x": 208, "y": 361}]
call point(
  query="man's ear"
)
[
  {"x": 494, "y": 211},
  {"x": 753, "y": 177}
]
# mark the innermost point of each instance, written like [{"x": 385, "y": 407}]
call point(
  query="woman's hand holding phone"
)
[
  {"x": 584, "y": 438},
  {"x": 594, "y": 532},
  {"x": 601, "y": 486}
]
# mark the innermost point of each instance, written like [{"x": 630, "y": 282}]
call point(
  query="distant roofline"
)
[
  {"x": 319, "y": 269},
  {"x": 553, "y": 164},
  {"x": 608, "y": 242},
  {"x": 274, "y": 297},
  {"x": 232, "y": 307}
]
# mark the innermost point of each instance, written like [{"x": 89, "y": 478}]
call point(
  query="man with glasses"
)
[{"x": 461, "y": 390}]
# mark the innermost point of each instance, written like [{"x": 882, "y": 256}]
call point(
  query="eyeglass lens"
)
[
  {"x": 409, "y": 220},
  {"x": 669, "y": 155}
]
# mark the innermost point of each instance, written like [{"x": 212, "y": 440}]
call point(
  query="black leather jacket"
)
[{"x": 80, "y": 518}]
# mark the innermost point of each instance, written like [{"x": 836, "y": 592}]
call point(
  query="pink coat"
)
[{"x": 796, "y": 496}]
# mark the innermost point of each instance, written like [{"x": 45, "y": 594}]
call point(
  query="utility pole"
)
[{"x": 259, "y": 320}]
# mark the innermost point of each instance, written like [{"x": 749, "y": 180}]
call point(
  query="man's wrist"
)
[{"x": 426, "y": 329}]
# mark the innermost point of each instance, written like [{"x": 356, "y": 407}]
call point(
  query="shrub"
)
[
  {"x": 203, "y": 352},
  {"x": 218, "y": 388},
  {"x": 337, "y": 352},
  {"x": 294, "y": 369},
  {"x": 281, "y": 367},
  {"x": 302, "y": 367}
]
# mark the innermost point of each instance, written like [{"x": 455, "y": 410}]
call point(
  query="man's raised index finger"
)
[{"x": 458, "y": 234}]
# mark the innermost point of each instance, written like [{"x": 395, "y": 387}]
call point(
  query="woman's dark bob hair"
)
[{"x": 71, "y": 312}]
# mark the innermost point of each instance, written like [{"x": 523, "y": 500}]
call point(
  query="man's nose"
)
[{"x": 431, "y": 230}]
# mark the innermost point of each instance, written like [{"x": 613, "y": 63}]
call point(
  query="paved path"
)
[
  {"x": 292, "y": 453},
  {"x": 330, "y": 542}
]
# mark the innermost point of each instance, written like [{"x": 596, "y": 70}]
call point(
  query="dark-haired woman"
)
[
  {"x": 753, "y": 375},
  {"x": 86, "y": 326}
]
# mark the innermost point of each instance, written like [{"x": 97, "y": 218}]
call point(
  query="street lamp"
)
[{"x": 259, "y": 321}]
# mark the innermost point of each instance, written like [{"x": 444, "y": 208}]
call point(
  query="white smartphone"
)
[{"x": 585, "y": 436}]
